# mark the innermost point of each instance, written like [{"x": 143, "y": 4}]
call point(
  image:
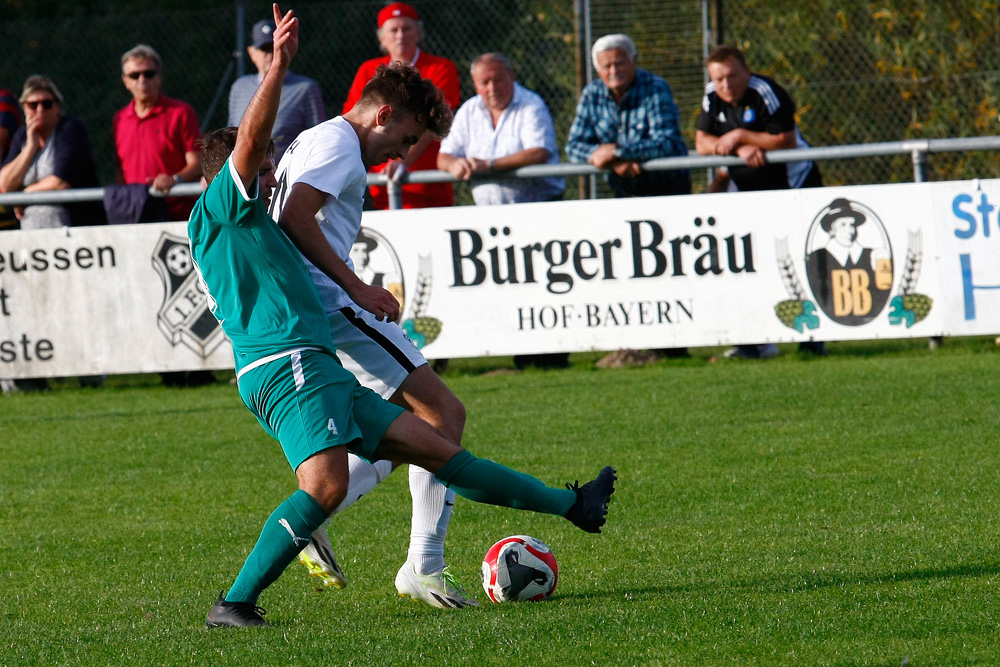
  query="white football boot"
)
[
  {"x": 438, "y": 590},
  {"x": 319, "y": 560}
]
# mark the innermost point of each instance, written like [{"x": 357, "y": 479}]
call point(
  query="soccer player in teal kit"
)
[{"x": 288, "y": 373}]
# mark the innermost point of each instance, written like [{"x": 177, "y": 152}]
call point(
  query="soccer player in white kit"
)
[{"x": 322, "y": 179}]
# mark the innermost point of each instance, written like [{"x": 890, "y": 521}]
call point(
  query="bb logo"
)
[
  {"x": 850, "y": 271},
  {"x": 849, "y": 262}
]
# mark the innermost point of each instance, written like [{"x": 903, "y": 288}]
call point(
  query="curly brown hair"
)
[
  {"x": 402, "y": 88},
  {"x": 216, "y": 147}
]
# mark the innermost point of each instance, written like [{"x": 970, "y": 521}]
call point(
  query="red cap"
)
[{"x": 397, "y": 10}]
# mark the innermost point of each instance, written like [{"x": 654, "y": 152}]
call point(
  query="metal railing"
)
[{"x": 918, "y": 149}]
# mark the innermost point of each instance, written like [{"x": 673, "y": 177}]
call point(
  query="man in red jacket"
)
[{"x": 400, "y": 32}]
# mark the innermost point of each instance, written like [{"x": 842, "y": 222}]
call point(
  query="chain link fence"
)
[
  {"x": 859, "y": 71},
  {"x": 865, "y": 72}
]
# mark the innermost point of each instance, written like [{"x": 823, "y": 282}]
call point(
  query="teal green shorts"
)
[{"x": 308, "y": 402}]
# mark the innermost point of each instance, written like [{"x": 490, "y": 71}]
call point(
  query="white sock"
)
[
  {"x": 432, "y": 507},
  {"x": 364, "y": 477}
]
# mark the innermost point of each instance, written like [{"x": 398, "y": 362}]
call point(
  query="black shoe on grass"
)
[
  {"x": 225, "y": 614},
  {"x": 591, "y": 506}
]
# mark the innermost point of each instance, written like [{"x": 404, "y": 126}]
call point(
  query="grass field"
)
[{"x": 837, "y": 511}]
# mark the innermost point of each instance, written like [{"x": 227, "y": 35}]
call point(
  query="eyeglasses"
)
[
  {"x": 46, "y": 104},
  {"x": 148, "y": 73}
]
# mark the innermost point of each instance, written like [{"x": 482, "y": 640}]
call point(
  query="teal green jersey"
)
[{"x": 258, "y": 286}]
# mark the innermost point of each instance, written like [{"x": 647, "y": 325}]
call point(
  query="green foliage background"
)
[{"x": 859, "y": 71}]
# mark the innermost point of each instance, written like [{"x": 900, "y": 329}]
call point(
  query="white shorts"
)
[{"x": 378, "y": 353}]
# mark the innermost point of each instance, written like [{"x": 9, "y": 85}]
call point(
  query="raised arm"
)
[{"x": 254, "y": 133}]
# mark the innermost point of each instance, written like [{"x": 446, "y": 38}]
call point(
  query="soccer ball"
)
[{"x": 519, "y": 568}]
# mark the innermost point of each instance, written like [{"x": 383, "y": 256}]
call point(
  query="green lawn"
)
[{"x": 798, "y": 511}]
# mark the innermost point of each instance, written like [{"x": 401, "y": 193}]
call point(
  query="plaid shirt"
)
[{"x": 643, "y": 125}]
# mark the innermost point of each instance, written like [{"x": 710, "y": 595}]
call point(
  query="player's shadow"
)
[
  {"x": 814, "y": 580},
  {"x": 795, "y": 583}
]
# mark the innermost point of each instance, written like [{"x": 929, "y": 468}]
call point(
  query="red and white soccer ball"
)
[{"x": 519, "y": 568}]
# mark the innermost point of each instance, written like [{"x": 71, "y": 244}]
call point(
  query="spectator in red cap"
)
[{"x": 400, "y": 33}]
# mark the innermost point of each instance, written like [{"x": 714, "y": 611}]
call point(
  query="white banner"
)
[
  {"x": 91, "y": 300},
  {"x": 887, "y": 261}
]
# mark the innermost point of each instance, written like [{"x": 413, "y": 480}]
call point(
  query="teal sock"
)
[
  {"x": 487, "y": 482},
  {"x": 286, "y": 532}
]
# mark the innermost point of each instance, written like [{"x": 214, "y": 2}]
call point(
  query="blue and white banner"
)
[{"x": 840, "y": 263}]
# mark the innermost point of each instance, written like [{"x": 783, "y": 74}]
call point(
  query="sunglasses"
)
[
  {"x": 45, "y": 104},
  {"x": 148, "y": 73}
]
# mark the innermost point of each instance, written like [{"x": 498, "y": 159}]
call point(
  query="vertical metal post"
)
[
  {"x": 919, "y": 166},
  {"x": 706, "y": 47},
  {"x": 395, "y": 194},
  {"x": 582, "y": 32},
  {"x": 719, "y": 36},
  {"x": 588, "y": 39},
  {"x": 919, "y": 158}
]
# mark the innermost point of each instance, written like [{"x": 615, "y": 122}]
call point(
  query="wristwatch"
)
[{"x": 178, "y": 179}]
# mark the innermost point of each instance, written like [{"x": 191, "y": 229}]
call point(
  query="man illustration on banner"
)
[
  {"x": 361, "y": 256},
  {"x": 851, "y": 280}
]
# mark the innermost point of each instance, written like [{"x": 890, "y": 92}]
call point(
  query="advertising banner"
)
[{"x": 827, "y": 264}]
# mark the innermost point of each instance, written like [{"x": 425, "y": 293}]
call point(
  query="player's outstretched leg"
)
[
  {"x": 410, "y": 440},
  {"x": 488, "y": 482}
]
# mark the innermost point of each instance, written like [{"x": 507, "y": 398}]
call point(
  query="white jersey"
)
[{"x": 327, "y": 157}]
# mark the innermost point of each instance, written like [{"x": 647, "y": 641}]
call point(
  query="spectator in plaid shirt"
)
[{"x": 626, "y": 117}]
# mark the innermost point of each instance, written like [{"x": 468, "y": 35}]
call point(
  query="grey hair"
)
[
  {"x": 142, "y": 52},
  {"x": 37, "y": 82},
  {"x": 420, "y": 34},
  {"x": 610, "y": 42},
  {"x": 491, "y": 57}
]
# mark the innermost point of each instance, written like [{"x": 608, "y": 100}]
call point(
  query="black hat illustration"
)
[
  {"x": 839, "y": 209},
  {"x": 370, "y": 243}
]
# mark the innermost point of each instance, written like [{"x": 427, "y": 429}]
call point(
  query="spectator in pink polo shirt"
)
[{"x": 156, "y": 137}]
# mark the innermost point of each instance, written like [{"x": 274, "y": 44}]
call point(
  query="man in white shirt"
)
[{"x": 504, "y": 127}]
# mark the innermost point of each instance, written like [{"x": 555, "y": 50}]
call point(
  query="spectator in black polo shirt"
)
[{"x": 746, "y": 115}]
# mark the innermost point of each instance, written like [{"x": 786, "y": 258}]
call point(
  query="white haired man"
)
[{"x": 651, "y": 130}]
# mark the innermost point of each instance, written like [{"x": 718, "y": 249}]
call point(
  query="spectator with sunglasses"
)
[
  {"x": 156, "y": 137},
  {"x": 301, "y": 105},
  {"x": 50, "y": 151}
]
